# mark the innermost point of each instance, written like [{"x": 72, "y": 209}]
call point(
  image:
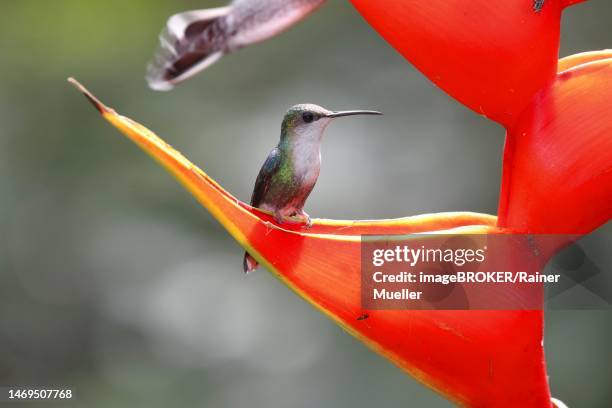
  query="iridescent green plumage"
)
[
  {"x": 291, "y": 170},
  {"x": 281, "y": 181}
]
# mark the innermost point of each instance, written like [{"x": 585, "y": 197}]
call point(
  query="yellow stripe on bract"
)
[
  {"x": 573, "y": 61},
  {"x": 180, "y": 167},
  {"x": 485, "y": 219}
]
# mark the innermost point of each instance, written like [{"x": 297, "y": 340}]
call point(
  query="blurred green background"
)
[{"x": 115, "y": 282}]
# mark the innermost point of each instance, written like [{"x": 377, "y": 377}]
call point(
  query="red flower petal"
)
[
  {"x": 490, "y": 55},
  {"x": 486, "y": 358},
  {"x": 558, "y": 157}
]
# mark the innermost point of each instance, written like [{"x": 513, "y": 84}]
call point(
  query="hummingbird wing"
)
[
  {"x": 265, "y": 177},
  {"x": 194, "y": 40},
  {"x": 259, "y": 20},
  {"x": 180, "y": 54}
]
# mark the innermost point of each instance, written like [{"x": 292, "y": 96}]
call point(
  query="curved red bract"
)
[
  {"x": 500, "y": 59},
  {"x": 492, "y": 56},
  {"x": 558, "y": 156},
  {"x": 465, "y": 355}
]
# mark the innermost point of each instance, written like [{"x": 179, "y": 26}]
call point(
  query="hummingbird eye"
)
[{"x": 308, "y": 117}]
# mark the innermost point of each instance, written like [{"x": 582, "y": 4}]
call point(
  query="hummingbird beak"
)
[{"x": 352, "y": 113}]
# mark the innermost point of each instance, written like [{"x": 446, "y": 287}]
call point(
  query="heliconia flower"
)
[
  {"x": 322, "y": 265},
  {"x": 558, "y": 156},
  {"x": 465, "y": 355},
  {"x": 500, "y": 59},
  {"x": 492, "y": 56}
]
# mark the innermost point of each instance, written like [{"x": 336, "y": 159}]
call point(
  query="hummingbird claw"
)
[
  {"x": 279, "y": 218},
  {"x": 307, "y": 220}
]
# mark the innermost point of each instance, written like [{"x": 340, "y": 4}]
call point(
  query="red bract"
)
[
  {"x": 558, "y": 157},
  {"x": 467, "y": 356},
  {"x": 490, "y": 55},
  {"x": 499, "y": 58}
]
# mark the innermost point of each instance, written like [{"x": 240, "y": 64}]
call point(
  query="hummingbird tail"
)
[
  {"x": 191, "y": 42},
  {"x": 249, "y": 264}
]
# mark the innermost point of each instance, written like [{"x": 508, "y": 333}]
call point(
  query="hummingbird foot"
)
[
  {"x": 305, "y": 219},
  {"x": 279, "y": 217},
  {"x": 296, "y": 217}
]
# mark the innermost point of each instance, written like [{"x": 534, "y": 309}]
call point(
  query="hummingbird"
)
[
  {"x": 194, "y": 40},
  {"x": 292, "y": 168}
]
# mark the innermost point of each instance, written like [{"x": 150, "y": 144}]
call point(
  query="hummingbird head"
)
[{"x": 307, "y": 122}]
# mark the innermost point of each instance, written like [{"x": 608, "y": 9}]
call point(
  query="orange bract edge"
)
[{"x": 465, "y": 355}]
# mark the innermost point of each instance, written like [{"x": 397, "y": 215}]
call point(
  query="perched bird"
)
[
  {"x": 292, "y": 168},
  {"x": 194, "y": 40}
]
